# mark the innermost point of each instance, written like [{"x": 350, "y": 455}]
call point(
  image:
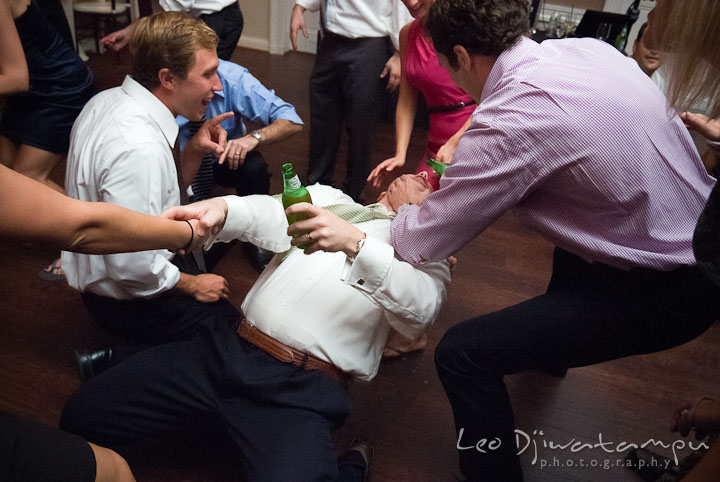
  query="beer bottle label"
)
[{"x": 294, "y": 182}]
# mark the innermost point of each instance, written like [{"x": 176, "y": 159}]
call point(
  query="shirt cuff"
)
[
  {"x": 234, "y": 225},
  {"x": 370, "y": 267}
]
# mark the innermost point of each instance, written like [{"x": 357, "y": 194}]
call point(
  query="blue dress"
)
[{"x": 60, "y": 85}]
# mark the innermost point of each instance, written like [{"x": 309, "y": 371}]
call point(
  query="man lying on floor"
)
[{"x": 312, "y": 321}]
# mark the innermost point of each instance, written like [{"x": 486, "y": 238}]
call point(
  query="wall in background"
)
[{"x": 267, "y": 23}]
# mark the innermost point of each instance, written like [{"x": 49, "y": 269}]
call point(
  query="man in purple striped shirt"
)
[{"x": 580, "y": 142}]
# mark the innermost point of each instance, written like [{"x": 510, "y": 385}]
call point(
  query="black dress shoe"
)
[
  {"x": 92, "y": 362},
  {"x": 362, "y": 451},
  {"x": 258, "y": 257}
]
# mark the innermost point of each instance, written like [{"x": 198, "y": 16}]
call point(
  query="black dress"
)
[{"x": 60, "y": 85}]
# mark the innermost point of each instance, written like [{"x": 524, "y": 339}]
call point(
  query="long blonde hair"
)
[{"x": 692, "y": 36}]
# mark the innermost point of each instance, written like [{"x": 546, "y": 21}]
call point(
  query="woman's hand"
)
[
  {"x": 378, "y": 175},
  {"x": 705, "y": 126}
]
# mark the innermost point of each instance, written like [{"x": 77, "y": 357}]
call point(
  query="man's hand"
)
[
  {"x": 705, "y": 126},
  {"x": 408, "y": 189},
  {"x": 205, "y": 288},
  {"x": 381, "y": 172},
  {"x": 211, "y": 137},
  {"x": 210, "y": 215},
  {"x": 297, "y": 22},
  {"x": 118, "y": 39},
  {"x": 324, "y": 231},
  {"x": 236, "y": 150},
  {"x": 392, "y": 71}
]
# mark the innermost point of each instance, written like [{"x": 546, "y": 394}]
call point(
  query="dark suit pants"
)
[
  {"x": 590, "y": 313},
  {"x": 228, "y": 25},
  {"x": 280, "y": 416},
  {"x": 345, "y": 89}
]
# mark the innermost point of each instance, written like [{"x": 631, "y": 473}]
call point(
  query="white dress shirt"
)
[
  {"x": 362, "y": 18},
  {"x": 195, "y": 7},
  {"x": 336, "y": 308},
  {"x": 120, "y": 152}
]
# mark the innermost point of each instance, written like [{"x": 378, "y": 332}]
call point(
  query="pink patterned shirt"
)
[{"x": 581, "y": 142}]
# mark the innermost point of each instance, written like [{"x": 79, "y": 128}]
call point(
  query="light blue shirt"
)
[{"x": 248, "y": 98}]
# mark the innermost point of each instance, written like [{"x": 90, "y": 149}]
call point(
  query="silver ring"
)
[
  {"x": 237, "y": 153},
  {"x": 309, "y": 238}
]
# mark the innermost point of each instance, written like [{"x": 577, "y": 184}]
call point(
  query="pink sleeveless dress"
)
[{"x": 424, "y": 73}]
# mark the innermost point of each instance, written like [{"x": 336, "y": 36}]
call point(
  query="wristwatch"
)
[{"x": 257, "y": 135}]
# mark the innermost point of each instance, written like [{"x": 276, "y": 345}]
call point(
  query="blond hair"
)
[
  {"x": 167, "y": 40},
  {"x": 692, "y": 37}
]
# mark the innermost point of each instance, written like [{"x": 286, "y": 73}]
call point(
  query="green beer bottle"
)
[
  {"x": 294, "y": 192},
  {"x": 437, "y": 166}
]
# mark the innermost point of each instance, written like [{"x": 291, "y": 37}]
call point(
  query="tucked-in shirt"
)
[
  {"x": 362, "y": 18},
  {"x": 580, "y": 140},
  {"x": 195, "y": 7},
  {"x": 244, "y": 95},
  {"x": 336, "y": 308},
  {"x": 120, "y": 152}
]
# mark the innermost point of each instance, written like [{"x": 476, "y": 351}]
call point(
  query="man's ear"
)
[
  {"x": 167, "y": 79},
  {"x": 463, "y": 57}
]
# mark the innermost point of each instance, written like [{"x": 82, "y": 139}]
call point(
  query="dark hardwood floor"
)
[{"x": 404, "y": 410}]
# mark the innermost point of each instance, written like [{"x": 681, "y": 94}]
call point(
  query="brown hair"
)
[
  {"x": 483, "y": 27},
  {"x": 167, "y": 40},
  {"x": 692, "y": 38}
]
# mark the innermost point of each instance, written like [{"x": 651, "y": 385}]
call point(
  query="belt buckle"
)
[{"x": 284, "y": 354}]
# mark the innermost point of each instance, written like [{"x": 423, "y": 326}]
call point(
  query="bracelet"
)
[{"x": 192, "y": 236}]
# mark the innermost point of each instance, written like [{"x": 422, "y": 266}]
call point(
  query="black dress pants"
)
[
  {"x": 250, "y": 178},
  {"x": 590, "y": 313},
  {"x": 280, "y": 416},
  {"x": 228, "y": 25},
  {"x": 345, "y": 90}
]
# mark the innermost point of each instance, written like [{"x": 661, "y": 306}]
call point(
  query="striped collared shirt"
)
[{"x": 582, "y": 143}]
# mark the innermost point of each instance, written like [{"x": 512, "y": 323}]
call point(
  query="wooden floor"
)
[{"x": 404, "y": 409}]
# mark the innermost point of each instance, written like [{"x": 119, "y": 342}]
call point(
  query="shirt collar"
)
[
  {"x": 507, "y": 60},
  {"x": 157, "y": 111}
]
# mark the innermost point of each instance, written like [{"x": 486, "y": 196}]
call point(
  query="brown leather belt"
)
[
  {"x": 288, "y": 354},
  {"x": 439, "y": 109}
]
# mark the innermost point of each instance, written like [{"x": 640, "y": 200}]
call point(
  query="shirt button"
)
[{"x": 361, "y": 282}]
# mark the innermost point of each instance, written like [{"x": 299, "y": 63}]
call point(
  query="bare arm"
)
[
  {"x": 34, "y": 212},
  {"x": 120, "y": 38},
  {"x": 14, "y": 75},
  {"x": 404, "y": 119}
]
